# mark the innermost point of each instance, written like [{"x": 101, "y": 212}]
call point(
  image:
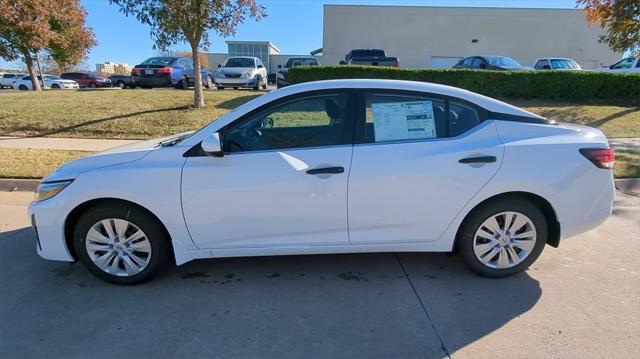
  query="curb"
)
[{"x": 15, "y": 184}]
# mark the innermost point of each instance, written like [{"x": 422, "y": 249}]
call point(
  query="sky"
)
[{"x": 294, "y": 26}]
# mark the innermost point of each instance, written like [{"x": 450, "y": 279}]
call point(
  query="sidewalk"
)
[{"x": 53, "y": 143}]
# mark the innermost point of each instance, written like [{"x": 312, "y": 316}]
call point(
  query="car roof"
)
[{"x": 241, "y": 57}]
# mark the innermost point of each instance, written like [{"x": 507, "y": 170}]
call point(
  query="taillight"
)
[
  {"x": 397, "y": 64},
  {"x": 135, "y": 72},
  {"x": 601, "y": 157},
  {"x": 165, "y": 70}
]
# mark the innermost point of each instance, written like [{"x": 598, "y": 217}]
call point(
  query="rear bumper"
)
[{"x": 154, "y": 81}]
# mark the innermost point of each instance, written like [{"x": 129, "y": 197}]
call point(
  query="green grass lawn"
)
[
  {"x": 139, "y": 114},
  {"x": 27, "y": 163}
]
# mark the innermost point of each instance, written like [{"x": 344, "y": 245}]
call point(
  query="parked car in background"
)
[
  {"x": 122, "y": 81},
  {"x": 165, "y": 71},
  {"x": 490, "y": 63},
  {"x": 7, "y": 79},
  {"x": 282, "y": 77},
  {"x": 343, "y": 166},
  {"x": 241, "y": 71},
  {"x": 556, "y": 63},
  {"x": 87, "y": 79},
  {"x": 371, "y": 57},
  {"x": 46, "y": 81},
  {"x": 629, "y": 64}
]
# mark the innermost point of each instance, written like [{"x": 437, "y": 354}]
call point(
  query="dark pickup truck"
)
[
  {"x": 122, "y": 81},
  {"x": 372, "y": 57}
]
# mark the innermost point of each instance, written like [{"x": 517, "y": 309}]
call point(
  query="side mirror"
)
[
  {"x": 342, "y": 62},
  {"x": 261, "y": 66},
  {"x": 279, "y": 66},
  {"x": 211, "y": 145},
  {"x": 219, "y": 66},
  {"x": 546, "y": 67}
]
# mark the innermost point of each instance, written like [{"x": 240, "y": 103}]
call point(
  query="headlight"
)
[{"x": 49, "y": 189}]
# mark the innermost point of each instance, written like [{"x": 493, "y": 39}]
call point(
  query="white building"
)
[
  {"x": 110, "y": 67},
  {"x": 439, "y": 36}
]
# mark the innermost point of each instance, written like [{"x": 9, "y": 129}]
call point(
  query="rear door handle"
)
[
  {"x": 481, "y": 159},
  {"x": 325, "y": 170}
]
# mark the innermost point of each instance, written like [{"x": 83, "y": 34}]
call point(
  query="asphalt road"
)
[{"x": 579, "y": 301}]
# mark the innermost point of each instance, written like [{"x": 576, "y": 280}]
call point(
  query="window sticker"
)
[{"x": 403, "y": 121}]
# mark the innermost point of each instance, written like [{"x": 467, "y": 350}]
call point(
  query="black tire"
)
[
  {"x": 258, "y": 82},
  {"x": 93, "y": 85},
  {"x": 55, "y": 86},
  {"x": 121, "y": 84},
  {"x": 160, "y": 243},
  {"x": 184, "y": 83},
  {"x": 23, "y": 88},
  {"x": 465, "y": 240},
  {"x": 235, "y": 88},
  {"x": 220, "y": 88}
]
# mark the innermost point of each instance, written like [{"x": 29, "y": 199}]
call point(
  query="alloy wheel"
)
[
  {"x": 504, "y": 240},
  {"x": 118, "y": 247}
]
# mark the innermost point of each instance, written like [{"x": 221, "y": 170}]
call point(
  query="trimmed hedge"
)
[{"x": 547, "y": 85}]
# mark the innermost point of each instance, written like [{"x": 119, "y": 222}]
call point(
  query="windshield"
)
[
  {"x": 564, "y": 64},
  {"x": 238, "y": 62},
  {"x": 301, "y": 61},
  {"x": 158, "y": 61},
  {"x": 502, "y": 61}
]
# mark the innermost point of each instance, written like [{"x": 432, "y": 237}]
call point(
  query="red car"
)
[{"x": 87, "y": 79}]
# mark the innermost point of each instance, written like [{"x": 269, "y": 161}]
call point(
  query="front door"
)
[
  {"x": 419, "y": 161},
  {"x": 282, "y": 181}
]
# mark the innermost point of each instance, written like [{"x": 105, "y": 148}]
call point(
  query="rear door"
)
[{"x": 418, "y": 160}]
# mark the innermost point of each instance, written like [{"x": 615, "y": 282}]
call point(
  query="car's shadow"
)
[{"x": 365, "y": 305}]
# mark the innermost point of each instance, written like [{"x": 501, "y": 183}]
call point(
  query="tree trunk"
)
[
  {"x": 28, "y": 60},
  {"x": 198, "y": 96}
]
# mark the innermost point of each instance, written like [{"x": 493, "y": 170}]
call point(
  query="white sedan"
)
[
  {"x": 342, "y": 166},
  {"x": 46, "y": 81}
]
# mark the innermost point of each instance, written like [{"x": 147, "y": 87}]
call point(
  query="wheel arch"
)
[
  {"x": 553, "y": 235},
  {"x": 71, "y": 221}
]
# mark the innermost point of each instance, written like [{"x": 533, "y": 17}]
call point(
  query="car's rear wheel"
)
[
  {"x": 23, "y": 88},
  {"x": 184, "y": 83},
  {"x": 121, "y": 84},
  {"x": 55, "y": 86},
  {"x": 93, "y": 85},
  {"x": 220, "y": 88},
  {"x": 503, "y": 237},
  {"x": 121, "y": 244},
  {"x": 208, "y": 83}
]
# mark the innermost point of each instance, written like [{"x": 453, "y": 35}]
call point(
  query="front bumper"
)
[
  {"x": 48, "y": 220},
  {"x": 235, "y": 82}
]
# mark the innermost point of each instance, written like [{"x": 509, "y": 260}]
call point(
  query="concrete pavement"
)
[{"x": 578, "y": 301}]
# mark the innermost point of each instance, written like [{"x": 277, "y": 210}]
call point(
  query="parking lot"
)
[{"x": 580, "y": 300}]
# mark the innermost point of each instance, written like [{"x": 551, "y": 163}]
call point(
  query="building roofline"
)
[
  {"x": 454, "y": 7},
  {"x": 253, "y": 42}
]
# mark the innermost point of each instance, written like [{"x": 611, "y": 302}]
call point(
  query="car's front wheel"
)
[
  {"x": 503, "y": 237},
  {"x": 121, "y": 243}
]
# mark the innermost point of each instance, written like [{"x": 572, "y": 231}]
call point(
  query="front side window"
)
[
  {"x": 502, "y": 61},
  {"x": 540, "y": 65},
  {"x": 392, "y": 117},
  {"x": 467, "y": 62},
  {"x": 475, "y": 64},
  {"x": 321, "y": 120}
]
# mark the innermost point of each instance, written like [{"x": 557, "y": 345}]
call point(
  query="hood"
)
[
  {"x": 114, "y": 156},
  {"x": 234, "y": 70}
]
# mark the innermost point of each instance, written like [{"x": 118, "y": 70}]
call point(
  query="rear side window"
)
[
  {"x": 541, "y": 64},
  {"x": 392, "y": 117}
]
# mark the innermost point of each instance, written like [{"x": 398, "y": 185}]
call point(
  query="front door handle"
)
[
  {"x": 481, "y": 159},
  {"x": 325, "y": 170}
]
